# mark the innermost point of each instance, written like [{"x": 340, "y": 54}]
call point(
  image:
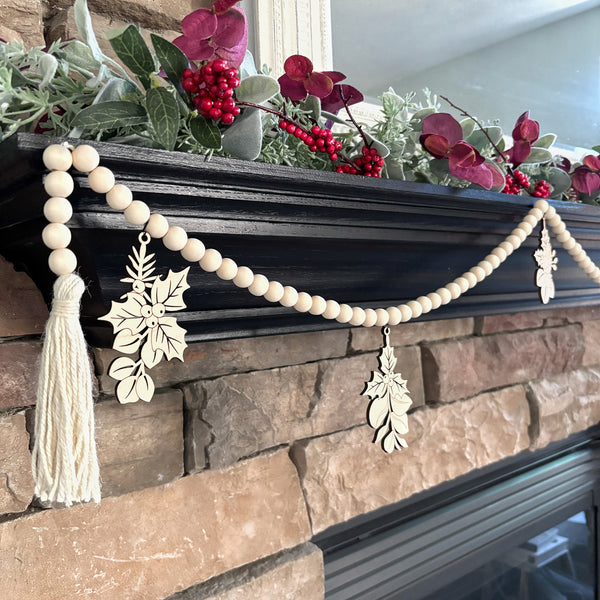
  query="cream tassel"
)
[{"x": 64, "y": 461}]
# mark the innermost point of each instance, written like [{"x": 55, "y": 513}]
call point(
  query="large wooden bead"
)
[
  {"x": 228, "y": 269},
  {"x": 500, "y": 253},
  {"x": 514, "y": 241},
  {"x": 394, "y": 314},
  {"x": 345, "y": 315},
  {"x": 560, "y": 228},
  {"x": 471, "y": 279},
  {"x": 58, "y": 210},
  {"x": 85, "y": 158},
  {"x": 318, "y": 306},
  {"x": 244, "y": 277},
  {"x": 290, "y": 296},
  {"x": 493, "y": 260},
  {"x": 194, "y": 250},
  {"x": 358, "y": 316},
  {"x": 211, "y": 261},
  {"x": 569, "y": 243},
  {"x": 536, "y": 213},
  {"x": 531, "y": 220},
  {"x": 405, "y": 312},
  {"x": 59, "y": 183},
  {"x": 332, "y": 310},
  {"x": 119, "y": 197},
  {"x": 436, "y": 301},
  {"x": 175, "y": 239},
  {"x": 454, "y": 290},
  {"x": 137, "y": 213},
  {"x": 57, "y": 158},
  {"x": 550, "y": 212},
  {"x": 415, "y": 308},
  {"x": 525, "y": 226},
  {"x": 444, "y": 294},
  {"x": 62, "y": 261},
  {"x": 563, "y": 237},
  {"x": 478, "y": 272},
  {"x": 541, "y": 205},
  {"x": 463, "y": 284},
  {"x": 259, "y": 285},
  {"x": 486, "y": 266},
  {"x": 304, "y": 302},
  {"x": 101, "y": 180},
  {"x": 275, "y": 292},
  {"x": 426, "y": 304},
  {"x": 507, "y": 247},
  {"x": 56, "y": 235},
  {"x": 520, "y": 233},
  {"x": 370, "y": 318},
  {"x": 157, "y": 226},
  {"x": 383, "y": 317}
]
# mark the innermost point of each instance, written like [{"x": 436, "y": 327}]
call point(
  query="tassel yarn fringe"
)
[{"x": 64, "y": 462}]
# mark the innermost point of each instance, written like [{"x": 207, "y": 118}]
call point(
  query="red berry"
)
[
  {"x": 333, "y": 156},
  {"x": 219, "y": 65},
  {"x": 227, "y": 118},
  {"x": 312, "y": 148},
  {"x": 188, "y": 84},
  {"x": 228, "y": 105},
  {"x": 315, "y": 130},
  {"x": 215, "y": 113},
  {"x": 187, "y": 73},
  {"x": 236, "y": 111},
  {"x": 298, "y": 133},
  {"x": 205, "y": 104},
  {"x": 291, "y": 128}
]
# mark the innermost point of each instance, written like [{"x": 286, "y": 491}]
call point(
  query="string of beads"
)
[{"x": 59, "y": 185}]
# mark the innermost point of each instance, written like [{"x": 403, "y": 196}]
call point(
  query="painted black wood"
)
[{"x": 370, "y": 242}]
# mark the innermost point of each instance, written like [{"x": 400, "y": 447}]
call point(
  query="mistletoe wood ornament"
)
[
  {"x": 140, "y": 321},
  {"x": 389, "y": 401},
  {"x": 546, "y": 259}
]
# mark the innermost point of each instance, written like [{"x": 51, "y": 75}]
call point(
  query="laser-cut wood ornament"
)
[
  {"x": 389, "y": 401},
  {"x": 141, "y": 321},
  {"x": 546, "y": 259}
]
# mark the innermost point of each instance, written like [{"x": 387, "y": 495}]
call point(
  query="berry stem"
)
[{"x": 358, "y": 127}]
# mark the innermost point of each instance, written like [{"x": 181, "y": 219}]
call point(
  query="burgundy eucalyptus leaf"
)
[
  {"x": 335, "y": 76},
  {"x": 234, "y": 55},
  {"x": 445, "y": 125},
  {"x": 498, "y": 177},
  {"x": 519, "y": 152},
  {"x": 334, "y": 102},
  {"x": 585, "y": 181},
  {"x": 593, "y": 162},
  {"x": 464, "y": 155},
  {"x": 222, "y": 6},
  {"x": 437, "y": 145},
  {"x": 294, "y": 90},
  {"x": 318, "y": 84},
  {"x": 231, "y": 28},
  {"x": 481, "y": 175},
  {"x": 194, "y": 48},
  {"x": 466, "y": 163},
  {"x": 298, "y": 67},
  {"x": 201, "y": 23}
]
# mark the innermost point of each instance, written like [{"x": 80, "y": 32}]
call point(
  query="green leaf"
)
[
  {"x": 468, "y": 126},
  {"x": 545, "y": 141},
  {"x": 479, "y": 140},
  {"x": 538, "y": 155},
  {"x": 257, "y": 89},
  {"x": 596, "y": 148},
  {"x": 80, "y": 55},
  {"x": 243, "y": 139},
  {"x": 48, "y": 65},
  {"x": 381, "y": 148},
  {"x": 205, "y": 132},
  {"x": 116, "y": 89},
  {"x": 559, "y": 180},
  {"x": 83, "y": 20},
  {"x": 17, "y": 78},
  {"x": 110, "y": 115},
  {"x": 331, "y": 117},
  {"x": 248, "y": 66},
  {"x": 312, "y": 105},
  {"x": 164, "y": 115},
  {"x": 172, "y": 60},
  {"x": 416, "y": 120},
  {"x": 130, "y": 47}
]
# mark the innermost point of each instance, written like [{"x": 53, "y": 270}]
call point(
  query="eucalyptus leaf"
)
[
  {"x": 468, "y": 126},
  {"x": 559, "y": 180},
  {"x": 545, "y": 141},
  {"x": 381, "y": 148},
  {"x": 80, "y": 55},
  {"x": 83, "y": 20},
  {"x": 395, "y": 170},
  {"x": 171, "y": 59},
  {"x": 164, "y": 115},
  {"x": 479, "y": 140},
  {"x": 440, "y": 168},
  {"x": 243, "y": 139},
  {"x": 116, "y": 89},
  {"x": 596, "y": 148},
  {"x": 110, "y": 115},
  {"x": 257, "y": 89},
  {"x": 312, "y": 105},
  {"x": 248, "y": 66},
  {"x": 130, "y": 47},
  {"x": 205, "y": 132},
  {"x": 416, "y": 121},
  {"x": 334, "y": 118},
  {"x": 538, "y": 155}
]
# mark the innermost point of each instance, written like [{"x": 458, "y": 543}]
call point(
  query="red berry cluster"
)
[
  {"x": 211, "y": 90},
  {"x": 369, "y": 164},
  {"x": 515, "y": 184},
  {"x": 318, "y": 140},
  {"x": 542, "y": 189}
]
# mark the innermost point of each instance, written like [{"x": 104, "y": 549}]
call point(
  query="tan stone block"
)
[
  {"x": 288, "y": 576},
  {"x": 591, "y": 339},
  {"x": 344, "y": 475},
  {"x": 23, "y": 17},
  {"x": 10, "y": 35},
  {"x": 405, "y": 334},
  {"x": 19, "y": 367},
  {"x": 22, "y": 308},
  {"x": 155, "y": 542},
  {"x": 212, "y": 359},
  {"x": 16, "y": 483},
  {"x": 462, "y": 368},
  {"x": 514, "y": 322},
  {"x": 140, "y": 445},
  {"x": 565, "y": 404}
]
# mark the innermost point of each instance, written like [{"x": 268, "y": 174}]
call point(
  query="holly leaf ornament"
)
[{"x": 390, "y": 401}]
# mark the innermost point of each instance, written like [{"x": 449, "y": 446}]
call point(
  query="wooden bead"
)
[
  {"x": 370, "y": 318},
  {"x": 486, "y": 266},
  {"x": 119, "y": 197},
  {"x": 275, "y": 292},
  {"x": 395, "y": 316},
  {"x": 137, "y": 213},
  {"x": 259, "y": 285},
  {"x": 211, "y": 261},
  {"x": 554, "y": 221},
  {"x": 471, "y": 279},
  {"x": 358, "y": 316},
  {"x": 478, "y": 272},
  {"x": 550, "y": 212},
  {"x": 290, "y": 296},
  {"x": 58, "y": 210},
  {"x": 85, "y": 158},
  {"x": 56, "y": 235},
  {"x": 493, "y": 260},
  {"x": 175, "y": 239},
  {"x": 563, "y": 237},
  {"x": 243, "y": 277},
  {"x": 101, "y": 180},
  {"x": 436, "y": 300},
  {"x": 463, "y": 284},
  {"x": 444, "y": 294},
  {"x": 157, "y": 226},
  {"x": 500, "y": 253},
  {"x": 228, "y": 269},
  {"x": 514, "y": 241},
  {"x": 383, "y": 317},
  {"x": 575, "y": 250},
  {"x": 589, "y": 268},
  {"x": 527, "y": 228},
  {"x": 194, "y": 250},
  {"x": 531, "y": 220},
  {"x": 569, "y": 243},
  {"x": 542, "y": 205},
  {"x": 536, "y": 213},
  {"x": 62, "y": 261},
  {"x": 518, "y": 233},
  {"x": 57, "y": 158},
  {"x": 59, "y": 184},
  {"x": 345, "y": 315},
  {"x": 318, "y": 306},
  {"x": 415, "y": 308},
  {"x": 303, "y": 303},
  {"x": 405, "y": 312},
  {"x": 426, "y": 304},
  {"x": 454, "y": 290},
  {"x": 508, "y": 248},
  {"x": 332, "y": 310},
  {"x": 560, "y": 228}
]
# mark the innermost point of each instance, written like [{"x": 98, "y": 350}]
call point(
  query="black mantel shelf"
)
[{"x": 370, "y": 242}]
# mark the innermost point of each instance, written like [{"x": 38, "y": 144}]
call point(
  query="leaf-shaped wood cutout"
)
[
  {"x": 126, "y": 390},
  {"x": 127, "y": 342},
  {"x": 168, "y": 337},
  {"x": 126, "y": 315},
  {"x": 144, "y": 387},
  {"x": 389, "y": 401},
  {"x": 169, "y": 291},
  {"x": 121, "y": 367},
  {"x": 151, "y": 356}
]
